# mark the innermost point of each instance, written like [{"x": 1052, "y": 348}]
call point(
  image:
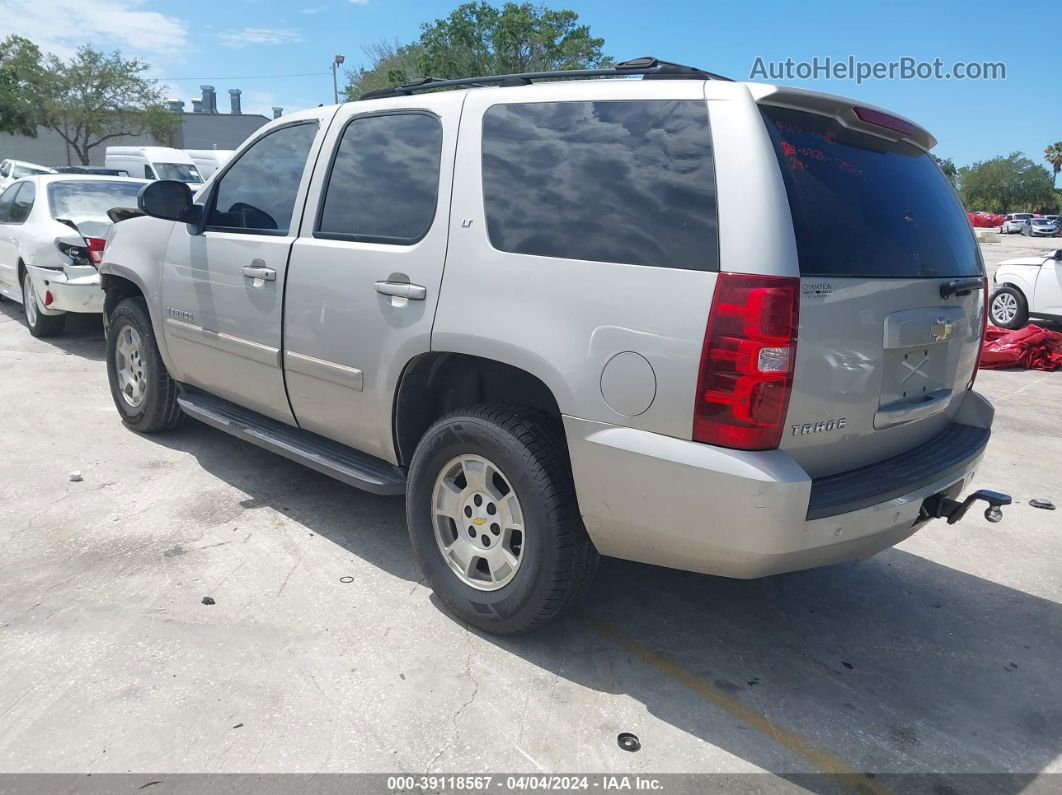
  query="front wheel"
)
[
  {"x": 494, "y": 521},
  {"x": 142, "y": 389},
  {"x": 1007, "y": 308},
  {"x": 39, "y": 324}
]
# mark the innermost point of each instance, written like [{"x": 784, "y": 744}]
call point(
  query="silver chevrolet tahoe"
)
[{"x": 725, "y": 327}]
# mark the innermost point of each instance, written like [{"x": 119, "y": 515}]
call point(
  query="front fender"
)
[
  {"x": 136, "y": 252},
  {"x": 1023, "y": 277}
]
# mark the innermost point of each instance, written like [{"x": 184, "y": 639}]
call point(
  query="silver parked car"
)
[
  {"x": 537, "y": 311},
  {"x": 1039, "y": 227}
]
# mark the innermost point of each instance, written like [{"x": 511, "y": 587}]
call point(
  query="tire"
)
[
  {"x": 143, "y": 392},
  {"x": 1007, "y": 308},
  {"x": 556, "y": 559},
  {"x": 38, "y": 323}
]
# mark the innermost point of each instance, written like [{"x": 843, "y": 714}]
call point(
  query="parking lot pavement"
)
[{"x": 940, "y": 655}]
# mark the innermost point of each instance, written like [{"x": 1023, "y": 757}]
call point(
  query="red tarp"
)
[
  {"x": 1032, "y": 347},
  {"x": 985, "y": 219}
]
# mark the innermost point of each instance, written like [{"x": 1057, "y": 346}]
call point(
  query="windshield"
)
[
  {"x": 90, "y": 201},
  {"x": 27, "y": 171},
  {"x": 181, "y": 172},
  {"x": 866, "y": 206},
  {"x": 1041, "y": 221}
]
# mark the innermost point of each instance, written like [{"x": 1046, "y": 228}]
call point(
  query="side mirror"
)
[
  {"x": 169, "y": 200},
  {"x": 1057, "y": 255}
]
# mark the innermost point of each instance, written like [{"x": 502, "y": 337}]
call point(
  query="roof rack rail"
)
[{"x": 647, "y": 66}]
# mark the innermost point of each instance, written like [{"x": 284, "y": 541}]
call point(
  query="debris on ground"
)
[
  {"x": 209, "y": 600},
  {"x": 1032, "y": 347},
  {"x": 1046, "y": 505},
  {"x": 75, "y": 477}
]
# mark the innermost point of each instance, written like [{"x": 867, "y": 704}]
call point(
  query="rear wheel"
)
[
  {"x": 39, "y": 324},
  {"x": 1008, "y": 308},
  {"x": 493, "y": 519},
  {"x": 142, "y": 389}
]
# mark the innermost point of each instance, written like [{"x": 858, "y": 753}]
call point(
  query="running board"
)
[{"x": 331, "y": 458}]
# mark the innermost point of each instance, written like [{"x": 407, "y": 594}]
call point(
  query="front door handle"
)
[
  {"x": 255, "y": 272},
  {"x": 414, "y": 292}
]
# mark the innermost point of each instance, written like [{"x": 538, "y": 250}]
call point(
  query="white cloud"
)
[
  {"x": 249, "y": 36},
  {"x": 360, "y": 2},
  {"x": 60, "y": 26}
]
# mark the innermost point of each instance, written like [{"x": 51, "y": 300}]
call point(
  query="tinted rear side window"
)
[
  {"x": 384, "y": 183},
  {"x": 864, "y": 206},
  {"x": 630, "y": 182}
]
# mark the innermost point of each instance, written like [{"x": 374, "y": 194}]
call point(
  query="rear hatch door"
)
[{"x": 884, "y": 354}]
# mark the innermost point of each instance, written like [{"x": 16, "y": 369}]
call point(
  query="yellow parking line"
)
[{"x": 823, "y": 760}]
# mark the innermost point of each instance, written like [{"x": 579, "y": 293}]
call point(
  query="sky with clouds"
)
[{"x": 279, "y": 52}]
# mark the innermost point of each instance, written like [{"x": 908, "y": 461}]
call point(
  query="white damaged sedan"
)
[
  {"x": 52, "y": 233},
  {"x": 1027, "y": 287}
]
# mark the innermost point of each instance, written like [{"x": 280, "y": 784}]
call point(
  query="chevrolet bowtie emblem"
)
[{"x": 940, "y": 330}]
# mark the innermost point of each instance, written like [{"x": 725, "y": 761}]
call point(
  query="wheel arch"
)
[{"x": 435, "y": 383}]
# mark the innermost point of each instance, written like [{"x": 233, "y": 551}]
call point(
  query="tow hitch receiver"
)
[{"x": 941, "y": 506}]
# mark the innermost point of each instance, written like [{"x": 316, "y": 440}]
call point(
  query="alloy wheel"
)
[{"x": 478, "y": 521}]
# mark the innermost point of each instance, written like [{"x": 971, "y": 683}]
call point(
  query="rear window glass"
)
[
  {"x": 84, "y": 200},
  {"x": 629, "y": 181},
  {"x": 865, "y": 206}
]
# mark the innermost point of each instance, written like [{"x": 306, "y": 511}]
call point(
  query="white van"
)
[
  {"x": 155, "y": 162},
  {"x": 210, "y": 160}
]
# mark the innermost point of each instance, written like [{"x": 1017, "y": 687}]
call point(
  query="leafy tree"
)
[
  {"x": 95, "y": 97},
  {"x": 389, "y": 64},
  {"x": 1053, "y": 155},
  {"x": 20, "y": 68},
  {"x": 1006, "y": 184},
  {"x": 477, "y": 39},
  {"x": 947, "y": 165}
]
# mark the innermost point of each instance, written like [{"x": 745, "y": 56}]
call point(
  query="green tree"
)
[
  {"x": 20, "y": 70},
  {"x": 1006, "y": 184},
  {"x": 947, "y": 165},
  {"x": 96, "y": 97},
  {"x": 389, "y": 64},
  {"x": 479, "y": 39},
  {"x": 1053, "y": 155}
]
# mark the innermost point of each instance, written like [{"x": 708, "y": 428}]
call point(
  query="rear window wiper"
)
[{"x": 960, "y": 286}]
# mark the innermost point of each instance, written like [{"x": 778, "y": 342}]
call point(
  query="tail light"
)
[
  {"x": 746, "y": 373},
  {"x": 95, "y": 249},
  {"x": 89, "y": 254},
  {"x": 984, "y": 328}
]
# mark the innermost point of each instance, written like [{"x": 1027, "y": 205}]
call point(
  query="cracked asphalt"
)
[{"x": 324, "y": 651}]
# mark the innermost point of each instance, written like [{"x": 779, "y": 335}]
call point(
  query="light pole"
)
[{"x": 335, "y": 85}]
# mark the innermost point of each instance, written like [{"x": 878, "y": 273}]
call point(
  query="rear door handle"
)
[
  {"x": 256, "y": 272},
  {"x": 414, "y": 292}
]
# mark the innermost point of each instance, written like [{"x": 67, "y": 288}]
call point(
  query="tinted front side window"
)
[
  {"x": 258, "y": 192},
  {"x": 23, "y": 203},
  {"x": 630, "y": 182},
  {"x": 865, "y": 206},
  {"x": 384, "y": 183}
]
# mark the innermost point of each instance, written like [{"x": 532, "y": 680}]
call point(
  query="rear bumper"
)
[
  {"x": 670, "y": 502},
  {"x": 79, "y": 294}
]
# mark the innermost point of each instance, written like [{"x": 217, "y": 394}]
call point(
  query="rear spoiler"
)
[
  {"x": 849, "y": 113},
  {"x": 117, "y": 214}
]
